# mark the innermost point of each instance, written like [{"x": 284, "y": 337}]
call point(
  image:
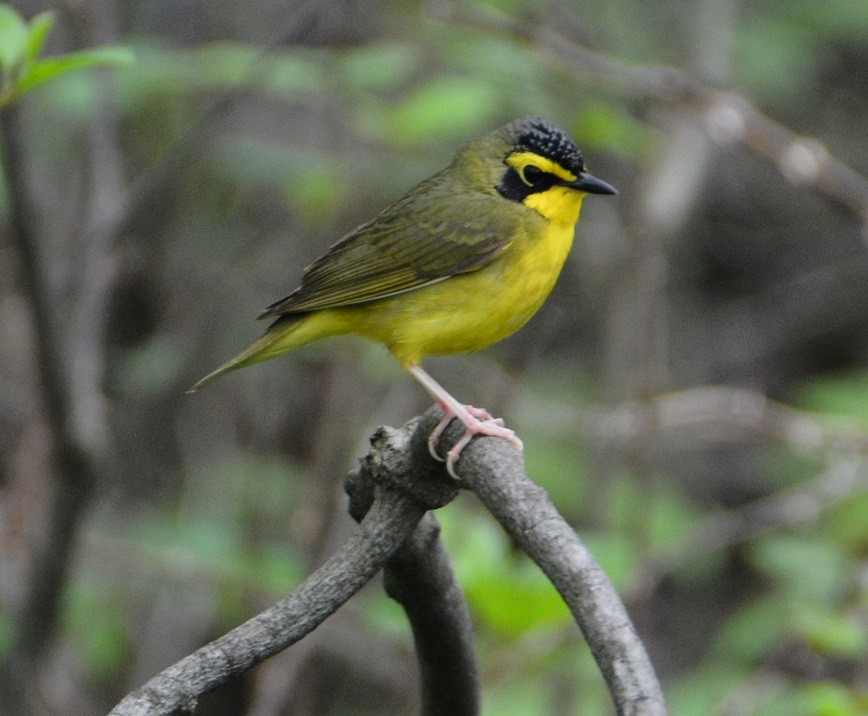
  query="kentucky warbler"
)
[{"x": 458, "y": 263}]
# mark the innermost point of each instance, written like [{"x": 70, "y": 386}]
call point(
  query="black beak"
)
[{"x": 591, "y": 185}]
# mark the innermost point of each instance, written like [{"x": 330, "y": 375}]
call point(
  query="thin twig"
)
[{"x": 739, "y": 408}]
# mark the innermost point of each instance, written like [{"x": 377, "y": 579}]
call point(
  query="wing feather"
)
[{"x": 405, "y": 248}]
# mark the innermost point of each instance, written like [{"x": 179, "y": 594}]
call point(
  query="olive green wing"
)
[{"x": 406, "y": 247}]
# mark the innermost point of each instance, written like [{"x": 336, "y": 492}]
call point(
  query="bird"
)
[{"x": 458, "y": 263}]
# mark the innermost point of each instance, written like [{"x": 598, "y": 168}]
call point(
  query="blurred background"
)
[{"x": 694, "y": 395}]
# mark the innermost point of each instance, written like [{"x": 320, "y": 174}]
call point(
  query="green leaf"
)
[
  {"x": 701, "y": 691},
  {"x": 752, "y": 632},
  {"x": 616, "y": 554},
  {"x": 807, "y": 567},
  {"x": 826, "y": 698},
  {"x": 44, "y": 70},
  {"x": 508, "y": 592},
  {"x": 775, "y": 57},
  {"x": 843, "y": 394},
  {"x": 600, "y": 126},
  {"x": 832, "y": 633},
  {"x": 445, "y": 107},
  {"x": 40, "y": 26},
  {"x": 13, "y": 39},
  {"x": 842, "y": 18},
  {"x": 381, "y": 66},
  {"x": 103, "y": 643}
]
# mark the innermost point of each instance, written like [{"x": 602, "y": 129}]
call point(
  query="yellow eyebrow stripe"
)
[{"x": 518, "y": 160}]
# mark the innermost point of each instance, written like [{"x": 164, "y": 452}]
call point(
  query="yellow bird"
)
[{"x": 460, "y": 262}]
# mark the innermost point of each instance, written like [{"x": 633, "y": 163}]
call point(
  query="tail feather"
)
[{"x": 273, "y": 343}]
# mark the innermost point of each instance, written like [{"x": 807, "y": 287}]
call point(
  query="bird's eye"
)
[{"x": 531, "y": 175}]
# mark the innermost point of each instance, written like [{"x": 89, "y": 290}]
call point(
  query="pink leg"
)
[{"x": 476, "y": 421}]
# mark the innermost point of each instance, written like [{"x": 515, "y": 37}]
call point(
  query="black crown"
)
[{"x": 541, "y": 137}]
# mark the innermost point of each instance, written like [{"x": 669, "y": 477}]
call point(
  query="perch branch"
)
[
  {"x": 493, "y": 470},
  {"x": 407, "y": 483}
]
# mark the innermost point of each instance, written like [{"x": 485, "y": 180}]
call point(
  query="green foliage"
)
[
  {"x": 21, "y": 70},
  {"x": 781, "y": 47},
  {"x": 819, "y": 699},
  {"x": 378, "y": 67},
  {"x": 847, "y": 524},
  {"x": 443, "y": 107},
  {"x": 603, "y": 127},
  {"x": 810, "y": 568},
  {"x": 7, "y": 632},
  {"x": 701, "y": 691},
  {"x": 842, "y": 394},
  {"x": 519, "y": 697},
  {"x": 504, "y": 589},
  {"x": 97, "y": 622},
  {"x": 833, "y": 633},
  {"x": 751, "y": 632},
  {"x": 399, "y": 106},
  {"x": 312, "y": 184}
]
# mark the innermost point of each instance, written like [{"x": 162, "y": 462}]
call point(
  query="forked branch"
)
[{"x": 394, "y": 487}]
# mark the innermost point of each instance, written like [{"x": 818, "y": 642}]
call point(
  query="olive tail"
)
[{"x": 277, "y": 340}]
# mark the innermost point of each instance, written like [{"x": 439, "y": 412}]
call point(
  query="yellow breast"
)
[{"x": 475, "y": 310}]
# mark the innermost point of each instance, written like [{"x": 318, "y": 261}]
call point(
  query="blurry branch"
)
[
  {"x": 395, "y": 485},
  {"x": 739, "y": 408},
  {"x": 799, "y": 505},
  {"x": 73, "y": 462},
  {"x": 389, "y": 502},
  {"x": 847, "y": 474},
  {"x": 72, "y": 393},
  {"x": 728, "y": 115}
]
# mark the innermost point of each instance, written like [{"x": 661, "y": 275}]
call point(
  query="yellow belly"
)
[{"x": 474, "y": 310}]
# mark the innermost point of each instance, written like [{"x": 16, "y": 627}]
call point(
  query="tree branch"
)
[
  {"x": 395, "y": 485},
  {"x": 420, "y": 578},
  {"x": 722, "y": 406},
  {"x": 493, "y": 470},
  {"x": 391, "y": 518},
  {"x": 72, "y": 462},
  {"x": 798, "y": 505}
]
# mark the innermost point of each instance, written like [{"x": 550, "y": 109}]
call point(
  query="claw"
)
[
  {"x": 448, "y": 416},
  {"x": 477, "y": 421},
  {"x": 492, "y": 428}
]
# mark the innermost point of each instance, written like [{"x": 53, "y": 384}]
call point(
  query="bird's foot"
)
[
  {"x": 481, "y": 414},
  {"x": 479, "y": 422}
]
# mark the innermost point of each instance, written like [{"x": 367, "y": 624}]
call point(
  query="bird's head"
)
[{"x": 533, "y": 162}]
